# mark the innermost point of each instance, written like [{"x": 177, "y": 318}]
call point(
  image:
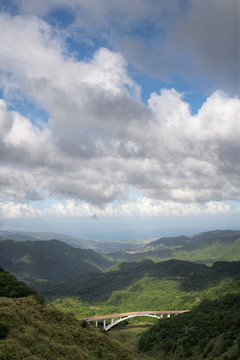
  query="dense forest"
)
[
  {"x": 209, "y": 331},
  {"x": 99, "y": 287}
]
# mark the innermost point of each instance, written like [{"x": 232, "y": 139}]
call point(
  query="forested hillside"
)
[
  {"x": 12, "y": 288},
  {"x": 48, "y": 260},
  {"x": 99, "y": 287},
  {"x": 31, "y": 330},
  {"x": 209, "y": 331},
  {"x": 206, "y": 248}
]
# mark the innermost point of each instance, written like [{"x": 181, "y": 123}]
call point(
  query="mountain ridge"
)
[
  {"x": 36, "y": 236},
  {"x": 48, "y": 260},
  {"x": 206, "y": 247}
]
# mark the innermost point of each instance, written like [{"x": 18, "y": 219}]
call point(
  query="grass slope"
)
[
  {"x": 217, "y": 250},
  {"x": 31, "y": 330},
  {"x": 39, "y": 332}
]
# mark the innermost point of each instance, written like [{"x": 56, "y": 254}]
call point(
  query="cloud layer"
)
[
  {"x": 141, "y": 207},
  {"x": 100, "y": 141},
  {"x": 193, "y": 39}
]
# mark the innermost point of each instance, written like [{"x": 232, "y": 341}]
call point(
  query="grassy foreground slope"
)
[
  {"x": 31, "y": 330},
  {"x": 209, "y": 331}
]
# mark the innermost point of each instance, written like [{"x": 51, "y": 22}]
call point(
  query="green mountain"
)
[
  {"x": 197, "y": 241},
  {"x": 99, "y": 287},
  {"x": 35, "y": 236},
  {"x": 168, "y": 241},
  {"x": 48, "y": 260},
  {"x": 31, "y": 330},
  {"x": 96, "y": 245},
  {"x": 206, "y": 247},
  {"x": 210, "y": 331}
]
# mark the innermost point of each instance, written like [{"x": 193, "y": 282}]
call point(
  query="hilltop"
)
[
  {"x": 48, "y": 260},
  {"x": 206, "y": 247},
  {"x": 36, "y": 236}
]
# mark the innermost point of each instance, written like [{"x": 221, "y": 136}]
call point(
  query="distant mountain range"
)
[
  {"x": 54, "y": 260},
  {"x": 34, "y": 236},
  {"x": 206, "y": 247},
  {"x": 48, "y": 260},
  {"x": 196, "y": 241},
  {"x": 97, "y": 245}
]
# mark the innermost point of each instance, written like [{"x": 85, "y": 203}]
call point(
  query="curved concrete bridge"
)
[{"x": 117, "y": 318}]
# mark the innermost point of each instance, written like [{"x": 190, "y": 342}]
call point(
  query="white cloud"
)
[
  {"x": 141, "y": 207},
  {"x": 11, "y": 210},
  {"x": 100, "y": 139}
]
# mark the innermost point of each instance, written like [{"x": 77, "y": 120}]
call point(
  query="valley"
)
[
  {"x": 119, "y": 180},
  {"x": 83, "y": 283}
]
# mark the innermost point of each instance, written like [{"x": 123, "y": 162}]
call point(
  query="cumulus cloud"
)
[
  {"x": 100, "y": 138},
  {"x": 141, "y": 207}
]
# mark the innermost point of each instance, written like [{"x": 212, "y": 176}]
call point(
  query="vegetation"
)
[
  {"x": 209, "y": 331},
  {"x": 217, "y": 250},
  {"x": 147, "y": 293},
  {"x": 207, "y": 247},
  {"x": 12, "y": 288},
  {"x": 48, "y": 260},
  {"x": 31, "y": 330},
  {"x": 129, "y": 336},
  {"x": 100, "y": 287}
]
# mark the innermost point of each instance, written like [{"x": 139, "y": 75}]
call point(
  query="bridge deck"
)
[{"x": 137, "y": 313}]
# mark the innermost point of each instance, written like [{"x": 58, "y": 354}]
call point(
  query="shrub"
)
[{"x": 3, "y": 330}]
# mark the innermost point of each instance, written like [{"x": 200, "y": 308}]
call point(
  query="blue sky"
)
[{"x": 118, "y": 119}]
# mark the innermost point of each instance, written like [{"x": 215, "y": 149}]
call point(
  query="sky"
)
[{"x": 119, "y": 119}]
